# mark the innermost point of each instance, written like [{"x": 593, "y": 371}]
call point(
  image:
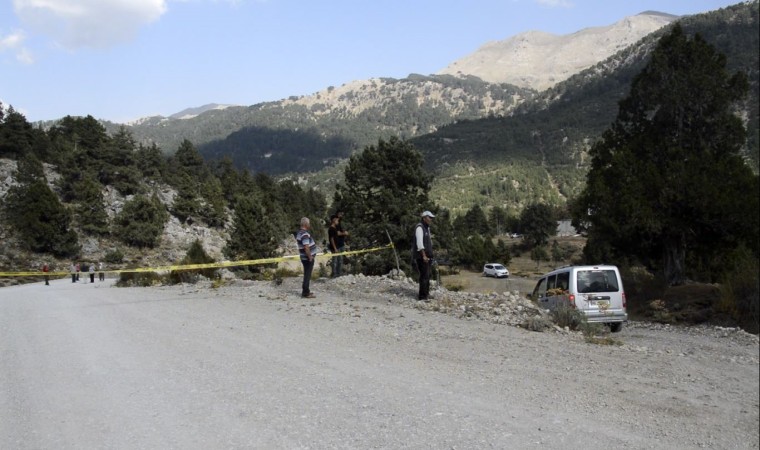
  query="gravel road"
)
[{"x": 252, "y": 365}]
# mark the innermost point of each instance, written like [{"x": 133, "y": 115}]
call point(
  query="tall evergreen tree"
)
[
  {"x": 90, "y": 209},
  {"x": 667, "y": 179},
  {"x": 498, "y": 219},
  {"x": 116, "y": 163},
  {"x": 537, "y": 224},
  {"x": 474, "y": 221},
  {"x": 212, "y": 209},
  {"x": 17, "y": 136},
  {"x": 141, "y": 222},
  {"x": 39, "y": 218},
  {"x": 385, "y": 188},
  {"x": 150, "y": 162},
  {"x": 253, "y": 236}
]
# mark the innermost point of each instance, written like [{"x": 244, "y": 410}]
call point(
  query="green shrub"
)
[
  {"x": 114, "y": 256},
  {"x": 139, "y": 279},
  {"x": 567, "y": 316},
  {"x": 537, "y": 323},
  {"x": 454, "y": 287},
  {"x": 195, "y": 255},
  {"x": 740, "y": 295}
]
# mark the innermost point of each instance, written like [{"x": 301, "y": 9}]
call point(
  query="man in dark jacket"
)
[{"x": 423, "y": 249}]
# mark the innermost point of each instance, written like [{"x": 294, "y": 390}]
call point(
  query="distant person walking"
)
[
  {"x": 45, "y": 270},
  {"x": 92, "y": 272},
  {"x": 101, "y": 273},
  {"x": 78, "y": 270},
  {"x": 423, "y": 252},
  {"x": 307, "y": 250},
  {"x": 73, "y": 270}
]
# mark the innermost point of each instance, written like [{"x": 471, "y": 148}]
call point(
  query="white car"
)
[{"x": 495, "y": 270}]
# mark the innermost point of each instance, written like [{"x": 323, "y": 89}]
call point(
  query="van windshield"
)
[{"x": 597, "y": 281}]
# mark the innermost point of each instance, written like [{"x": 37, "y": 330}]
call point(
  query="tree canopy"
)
[
  {"x": 667, "y": 183},
  {"x": 385, "y": 189}
]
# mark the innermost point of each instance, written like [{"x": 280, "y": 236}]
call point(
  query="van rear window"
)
[{"x": 597, "y": 281}]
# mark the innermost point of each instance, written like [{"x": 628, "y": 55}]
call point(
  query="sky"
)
[{"x": 120, "y": 60}]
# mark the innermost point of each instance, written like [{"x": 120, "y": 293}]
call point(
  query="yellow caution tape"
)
[{"x": 250, "y": 262}]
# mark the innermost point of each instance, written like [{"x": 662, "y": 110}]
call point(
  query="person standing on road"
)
[
  {"x": 307, "y": 249},
  {"x": 73, "y": 270},
  {"x": 423, "y": 251},
  {"x": 101, "y": 274},
  {"x": 340, "y": 240},
  {"x": 78, "y": 270},
  {"x": 332, "y": 236},
  {"x": 92, "y": 272},
  {"x": 45, "y": 270}
]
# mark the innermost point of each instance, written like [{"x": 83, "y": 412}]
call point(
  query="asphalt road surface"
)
[{"x": 90, "y": 366}]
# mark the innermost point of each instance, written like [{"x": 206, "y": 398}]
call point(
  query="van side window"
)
[
  {"x": 563, "y": 280},
  {"x": 552, "y": 282}
]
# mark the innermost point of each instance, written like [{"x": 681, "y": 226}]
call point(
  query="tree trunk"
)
[{"x": 674, "y": 260}]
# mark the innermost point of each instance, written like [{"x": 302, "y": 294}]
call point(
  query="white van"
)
[{"x": 596, "y": 291}]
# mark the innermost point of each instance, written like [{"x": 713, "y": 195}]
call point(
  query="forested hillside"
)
[
  {"x": 331, "y": 123},
  {"x": 547, "y": 139}
]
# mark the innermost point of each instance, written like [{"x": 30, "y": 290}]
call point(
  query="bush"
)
[
  {"x": 454, "y": 287},
  {"x": 568, "y": 316},
  {"x": 740, "y": 295},
  {"x": 537, "y": 323},
  {"x": 195, "y": 255},
  {"x": 139, "y": 279},
  {"x": 114, "y": 256}
]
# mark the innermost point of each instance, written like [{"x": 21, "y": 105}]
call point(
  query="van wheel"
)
[{"x": 616, "y": 327}]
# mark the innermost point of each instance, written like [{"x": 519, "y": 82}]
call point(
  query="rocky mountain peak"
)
[{"x": 539, "y": 60}]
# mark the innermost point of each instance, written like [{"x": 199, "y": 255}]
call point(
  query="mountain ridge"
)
[{"x": 539, "y": 60}]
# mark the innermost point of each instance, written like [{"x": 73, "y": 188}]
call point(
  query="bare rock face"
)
[{"x": 540, "y": 60}]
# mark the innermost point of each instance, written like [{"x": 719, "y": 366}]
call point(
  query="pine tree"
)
[
  {"x": 150, "y": 162},
  {"x": 141, "y": 222},
  {"x": 537, "y": 224},
  {"x": 667, "y": 183},
  {"x": 385, "y": 189},
  {"x": 253, "y": 236},
  {"x": 41, "y": 221},
  {"x": 90, "y": 209}
]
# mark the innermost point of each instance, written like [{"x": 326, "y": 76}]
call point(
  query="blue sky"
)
[{"x": 124, "y": 59}]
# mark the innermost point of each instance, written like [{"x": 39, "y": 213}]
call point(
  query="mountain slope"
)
[
  {"x": 539, "y": 60},
  {"x": 363, "y": 111},
  {"x": 356, "y": 114},
  {"x": 549, "y": 136}
]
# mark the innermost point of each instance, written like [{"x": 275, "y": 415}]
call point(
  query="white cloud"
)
[
  {"x": 88, "y": 23},
  {"x": 14, "y": 42},
  {"x": 556, "y": 3}
]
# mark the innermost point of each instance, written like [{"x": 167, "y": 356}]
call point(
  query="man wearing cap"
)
[{"x": 423, "y": 248}]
